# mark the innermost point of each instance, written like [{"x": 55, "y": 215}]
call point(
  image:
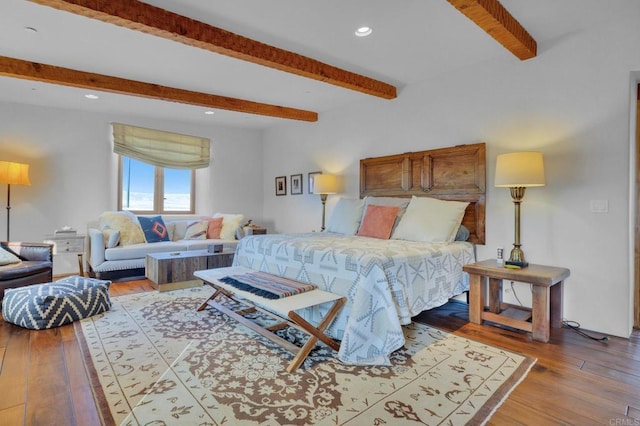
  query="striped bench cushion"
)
[
  {"x": 54, "y": 304},
  {"x": 267, "y": 285}
]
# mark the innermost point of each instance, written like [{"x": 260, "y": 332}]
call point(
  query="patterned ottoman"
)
[{"x": 54, "y": 304}]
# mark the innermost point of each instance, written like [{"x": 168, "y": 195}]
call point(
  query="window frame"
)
[{"x": 158, "y": 191}]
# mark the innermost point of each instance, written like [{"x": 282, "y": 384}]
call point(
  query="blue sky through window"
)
[
  {"x": 138, "y": 186},
  {"x": 176, "y": 181}
]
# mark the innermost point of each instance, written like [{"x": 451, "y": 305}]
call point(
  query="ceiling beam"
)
[
  {"x": 153, "y": 20},
  {"x": 34, "y": 71},
  {"x": 493, "y": 18}
]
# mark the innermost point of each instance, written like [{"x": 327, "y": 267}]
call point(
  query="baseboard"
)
[{"x": 121, "y": 275}]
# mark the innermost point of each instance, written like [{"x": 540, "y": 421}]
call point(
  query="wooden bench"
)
[{"x": 282, "y": 310}]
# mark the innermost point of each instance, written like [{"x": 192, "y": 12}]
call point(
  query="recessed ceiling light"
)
[
  {"x": 209, "y": 112},
  {"x": 363, "y": 31},
  {"x": 91, "y": 96}
]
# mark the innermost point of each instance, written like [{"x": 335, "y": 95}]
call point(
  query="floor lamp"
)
[
  {"x": 13, "y": 174},
  {"x": 325, "y": 185},
  {"x": 517, "y": 171}
]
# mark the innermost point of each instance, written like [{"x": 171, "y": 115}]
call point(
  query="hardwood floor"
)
[
  {"x": 575, "y": 380},
  {"x": 42, "y": 377}
]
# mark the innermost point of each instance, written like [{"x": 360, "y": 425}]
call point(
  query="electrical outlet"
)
[{"x": 599, "y": 206}]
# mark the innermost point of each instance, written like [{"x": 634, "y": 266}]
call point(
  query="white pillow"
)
[
  {"x": 430, "y": 220},
  {"x": 196, "y": 230},
  {"x": 7, "y": 258},
  {"x": 388, "y": 201},
  {"x": 230, "y": 224},
  {"x": 178, "y": 228},
  {"x": 346, "y": 216},
  {"x": 111, "y": 238},
  {"x": 171, "y": 229}
]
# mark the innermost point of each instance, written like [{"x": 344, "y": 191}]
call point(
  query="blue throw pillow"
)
[
  {"x": 154, "y": 229},
  {"x": 463, "y": 233}
]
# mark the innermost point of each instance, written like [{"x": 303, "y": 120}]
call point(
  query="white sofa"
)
[{"x": 128, "y": 261}]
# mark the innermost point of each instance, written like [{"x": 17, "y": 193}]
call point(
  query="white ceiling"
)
[{"x": 413, "y": 40}]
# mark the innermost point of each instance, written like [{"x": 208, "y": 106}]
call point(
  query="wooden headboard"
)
[{"x": 455, "y": 173}]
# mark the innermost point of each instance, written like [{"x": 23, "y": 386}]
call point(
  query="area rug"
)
[{"x": 153, "y": 359}]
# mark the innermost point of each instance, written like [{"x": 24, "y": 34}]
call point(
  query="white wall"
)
[
  {"x": 571, "y": 102},
  {"x": 74, "y": 176}
]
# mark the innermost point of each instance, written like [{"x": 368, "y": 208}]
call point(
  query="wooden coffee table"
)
[{"x": 174, "y": 270}]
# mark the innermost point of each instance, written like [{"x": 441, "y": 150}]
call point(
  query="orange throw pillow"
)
[
  {"x": 214, "y": 228},
  {"x": 378, "y": 221}
]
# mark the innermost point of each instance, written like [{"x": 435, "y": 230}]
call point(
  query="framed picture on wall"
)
[
  {"x": 281, "y": 185},
  {"x": 296, "y": 184},
  {"x": 310, "y": 185}
]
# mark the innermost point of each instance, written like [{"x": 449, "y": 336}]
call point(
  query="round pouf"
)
[{"x": 49, "y": 305}]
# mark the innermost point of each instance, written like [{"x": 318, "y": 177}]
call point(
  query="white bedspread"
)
[{"x": 387, "y": 282}]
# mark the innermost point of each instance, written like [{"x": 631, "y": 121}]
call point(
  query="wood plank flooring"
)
[{"x": 576, "y": 381}]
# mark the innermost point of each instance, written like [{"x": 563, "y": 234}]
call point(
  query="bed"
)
[{"x": 386, "y": 281}]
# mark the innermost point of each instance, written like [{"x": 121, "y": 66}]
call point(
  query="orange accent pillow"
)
[
  {"x": 378, "y": 221},
  {"x": 214, "y": 228}
]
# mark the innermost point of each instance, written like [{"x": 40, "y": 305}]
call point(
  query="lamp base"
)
[
  {"x": 323, "y": 198},
  {"x": 516, "y": 257}
]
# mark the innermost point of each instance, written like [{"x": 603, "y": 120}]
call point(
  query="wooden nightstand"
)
[
  {"x": 258, "y": 231},
  {"x": 68, "y": 244},
  {"x": 547, "y": 285}
]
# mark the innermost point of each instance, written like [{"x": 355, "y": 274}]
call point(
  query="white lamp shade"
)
[
  {"x": 520, "y": 169},
  {"x": 325, "y": 184},
  {"x": 14, "y": 173}
]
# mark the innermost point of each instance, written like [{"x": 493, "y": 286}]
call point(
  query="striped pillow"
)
[{"x": 196, "y": 231}]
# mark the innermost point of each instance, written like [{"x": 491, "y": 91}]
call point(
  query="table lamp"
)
[
  {"x": 324, "y": 185},
  {"x": 13, "y": 174},
  {"x": 517, "y": 171}
]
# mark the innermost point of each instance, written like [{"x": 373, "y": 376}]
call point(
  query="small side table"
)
[
  {"x": 546, "y": 311},
  {"x": 63, "y": 244},
  {"x": 254, "y": 231}
]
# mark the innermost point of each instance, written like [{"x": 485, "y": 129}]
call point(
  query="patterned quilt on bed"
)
[{"x": 387, "y": 282}]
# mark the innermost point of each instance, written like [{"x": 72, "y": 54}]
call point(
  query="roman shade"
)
[{"x": 162, "y": 149}]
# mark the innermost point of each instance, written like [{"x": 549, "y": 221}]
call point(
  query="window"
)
[
  {"x": 156, "y": 169},
  {"x": 145, "y": 188}
]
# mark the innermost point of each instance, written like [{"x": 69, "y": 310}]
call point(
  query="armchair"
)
[{"x": 36, "y": 266}]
